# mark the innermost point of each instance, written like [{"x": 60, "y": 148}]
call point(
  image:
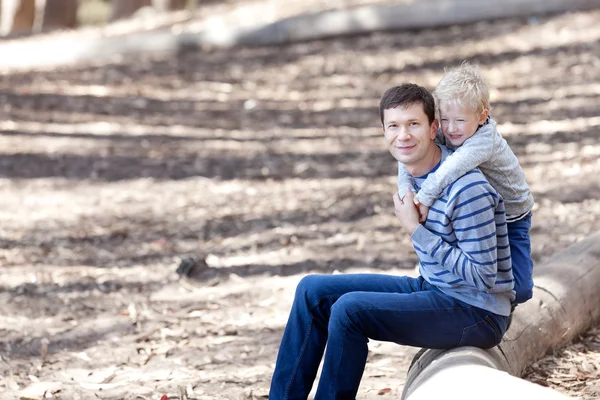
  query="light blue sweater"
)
[
  {"x": 488, "y": 151},
  {"x": 463, "y": 246}
]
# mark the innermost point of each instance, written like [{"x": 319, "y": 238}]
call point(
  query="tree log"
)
[
  {"x": 386, "y": 17},
  {"x": 565, "y": 303}
]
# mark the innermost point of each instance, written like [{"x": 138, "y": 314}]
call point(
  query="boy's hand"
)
[
  {"x": 406, "y": 211},
  {"x": 423, "y": 210}
]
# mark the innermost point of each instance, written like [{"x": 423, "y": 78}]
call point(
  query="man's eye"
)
[
  {"x": 460, "y": 120},
  {"x": 444, "y": 119}
]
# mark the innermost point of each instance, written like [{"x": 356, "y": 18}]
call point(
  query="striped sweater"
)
[{"x": 463, "y": 246}]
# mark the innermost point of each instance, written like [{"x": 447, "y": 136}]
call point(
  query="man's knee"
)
[
  {"x": 310, "y": 289},
  {"x": 345, "y": 312}
]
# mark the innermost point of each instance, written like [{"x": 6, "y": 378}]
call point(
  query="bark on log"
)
[{"x": 565, "y": 303}]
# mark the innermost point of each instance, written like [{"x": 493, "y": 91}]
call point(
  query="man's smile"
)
[{"x": 405, "y": 148}]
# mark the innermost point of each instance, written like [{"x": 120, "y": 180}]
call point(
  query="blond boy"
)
[{"x": 463, "y": 102}]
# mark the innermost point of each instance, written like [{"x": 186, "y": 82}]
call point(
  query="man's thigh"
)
[
  {"x": 426, "y": 318},
  {"x": 316, "y": 288}
]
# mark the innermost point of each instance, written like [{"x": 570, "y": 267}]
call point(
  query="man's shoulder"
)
[{"x": 472, "y": 183}]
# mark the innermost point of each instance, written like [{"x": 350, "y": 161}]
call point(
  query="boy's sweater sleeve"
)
[
  {"x": 405, "y": 180},
  {"x": 474, "y": 151}
]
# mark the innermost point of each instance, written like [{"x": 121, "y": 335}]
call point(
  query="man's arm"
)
[
  {"x": 474, "y": 151},
  {"x": 473, "y": 257}
]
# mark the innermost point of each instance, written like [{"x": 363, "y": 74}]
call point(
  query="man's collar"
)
[{"x": 443, "y": 154}]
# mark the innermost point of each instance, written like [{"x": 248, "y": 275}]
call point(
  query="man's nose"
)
[
  {"x": 403, "y": 134},
  {"x": 451, "y": 126}
]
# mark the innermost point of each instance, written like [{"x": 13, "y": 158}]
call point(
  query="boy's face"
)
[
  {"x": 459, "y": 122},
  {"x": 408, "y": 133}
]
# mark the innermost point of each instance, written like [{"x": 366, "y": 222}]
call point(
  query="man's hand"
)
[
  {"x": 423, "y": 210},
  {"x": 407, "y": 211}
]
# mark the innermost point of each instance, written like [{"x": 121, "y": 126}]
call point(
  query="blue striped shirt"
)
[{"x": 463, "y": 246}]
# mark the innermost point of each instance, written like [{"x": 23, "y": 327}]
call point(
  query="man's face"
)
[
  {"x": 460, "y": 123},
  {"x": 408, "y": 133}
]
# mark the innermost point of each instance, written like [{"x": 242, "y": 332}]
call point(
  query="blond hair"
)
[{"x": 463, "y": 85}]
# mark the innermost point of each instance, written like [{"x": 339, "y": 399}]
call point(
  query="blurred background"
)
[{"x": 137, "y": 134}]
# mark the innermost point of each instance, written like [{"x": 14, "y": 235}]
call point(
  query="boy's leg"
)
[
  {"x": 425, "y": 318},
  {"x": 520, "y": 252},
  {"x": 306, "y": 332}
]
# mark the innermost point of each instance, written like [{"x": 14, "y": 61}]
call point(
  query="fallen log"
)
[
  {"x": 566, "y": 302},
  {"x": 469, "y": 373},
  {"x": 390, "y": 17}
]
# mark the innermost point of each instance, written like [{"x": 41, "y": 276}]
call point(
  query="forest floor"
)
[{"x": 269, "y": 163}]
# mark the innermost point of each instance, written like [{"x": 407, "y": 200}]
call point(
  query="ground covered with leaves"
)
[{"x": 268, "y": 163}]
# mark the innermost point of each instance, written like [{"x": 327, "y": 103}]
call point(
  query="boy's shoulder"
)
[{"x": 489, "y": 128}]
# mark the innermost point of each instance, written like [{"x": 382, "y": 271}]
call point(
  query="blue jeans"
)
[
  {"x": 345, "y": 311},
  {"x": 520, "y": 252}
]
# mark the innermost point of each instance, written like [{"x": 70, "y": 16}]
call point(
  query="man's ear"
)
[
  {"x": 483, "y": 116},
  {"x": 434, "y": 128}
]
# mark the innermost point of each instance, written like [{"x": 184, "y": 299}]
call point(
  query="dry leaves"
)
[{"x": 574, "y": 370}]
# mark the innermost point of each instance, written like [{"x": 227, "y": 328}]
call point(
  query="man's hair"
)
[
  {"x": 406, "y": 95},
  {"x": 463, "y": 85}
]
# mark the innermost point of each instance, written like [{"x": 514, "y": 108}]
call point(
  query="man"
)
[{"x": 464, "y": 293}]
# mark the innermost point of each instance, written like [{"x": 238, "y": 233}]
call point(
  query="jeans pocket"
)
[{"x": 484, "y": 334}]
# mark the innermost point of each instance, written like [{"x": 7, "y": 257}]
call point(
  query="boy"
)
[
  {"x": 463, "y": 297},
  {"x": 462, "y": 97}
]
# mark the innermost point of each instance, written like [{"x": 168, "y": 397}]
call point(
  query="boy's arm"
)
[
  {"x": 473, "y": 258},
  {"x": 474, "y": 151},
  {"x": 405, "y": 180}
]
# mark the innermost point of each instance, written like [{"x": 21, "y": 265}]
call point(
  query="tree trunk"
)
[
  {"x": 565, "y": 303},
  {"x": 177, "y": 4},
  {"x": 60, "y": 14},
  {"x": 24, "y": 17},
  {"x": 126, "y": 8},
  {"x": 17, "y": 16},
  {"x": 169, "y": 5}
]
